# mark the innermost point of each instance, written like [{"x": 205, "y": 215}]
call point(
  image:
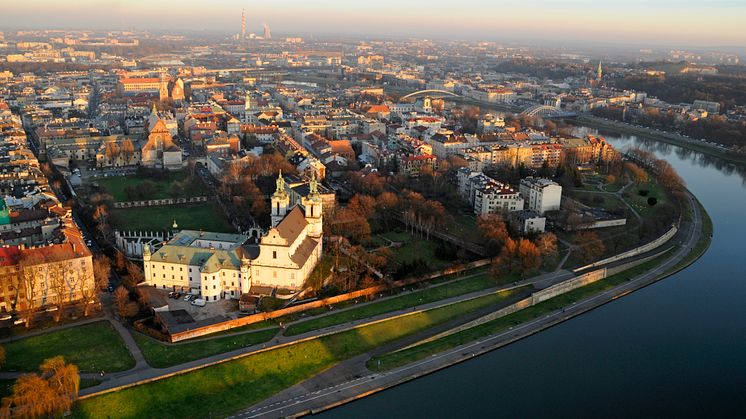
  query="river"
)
[{"x": 676, "y": 348}]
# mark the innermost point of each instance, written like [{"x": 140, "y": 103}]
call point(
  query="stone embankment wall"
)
[
  {"x": 543, "y": 295},
  {"x": 634, "y": 252}
]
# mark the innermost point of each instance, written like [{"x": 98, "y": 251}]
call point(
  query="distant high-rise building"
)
[
  {"x": 267, "y": 33},
  {"x": 600, "y": 72},
  {"x": 243, "y": 23}
]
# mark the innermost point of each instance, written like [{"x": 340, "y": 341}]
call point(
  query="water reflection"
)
[
  {"x": 664, "y": 150},
  {"x": 673, "y": 349}
]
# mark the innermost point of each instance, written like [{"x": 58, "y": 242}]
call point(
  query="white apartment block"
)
[
  {"x": 486, "y": 195},
  {"x": 541, "y": 194}
]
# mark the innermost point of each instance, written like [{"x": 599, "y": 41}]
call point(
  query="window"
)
[
  {"x": 164, "y": 276},
  {"x": 274, "y": 254},
  {"x": 190, "y": 270},
  {"x": 213, "y": 286}
]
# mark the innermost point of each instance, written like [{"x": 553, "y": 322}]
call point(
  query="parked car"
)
[
  {"x": 199, "y": 302},
  {"x": 51, "y": 309},
  {"x": 188, "y": 297},
  {"x": 171, "y": 294},
  {"x": 5, "y": 316}
]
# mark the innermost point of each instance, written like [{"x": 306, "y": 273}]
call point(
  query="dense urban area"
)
[{"x": 192, "y": 226}]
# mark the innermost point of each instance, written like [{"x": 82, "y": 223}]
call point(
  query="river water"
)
[{"x": 674, "y": 349}]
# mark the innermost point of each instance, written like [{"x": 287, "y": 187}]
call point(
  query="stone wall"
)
[
  {"x": 156, "y": 202},
  {"x": 567, "y": 286},
  {"x": 131, "y": 242},
  {"x": 258, "y": 317},
  {"x": 634, "y": 252}
]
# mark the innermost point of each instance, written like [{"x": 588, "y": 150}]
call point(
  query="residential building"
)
[{"x": 541, "y": 194}]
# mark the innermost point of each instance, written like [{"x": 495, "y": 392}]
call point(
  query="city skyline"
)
[{"x": 637, "y": 22}]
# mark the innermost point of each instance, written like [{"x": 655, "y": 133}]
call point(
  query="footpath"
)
[{"x": 350, "y": 380}]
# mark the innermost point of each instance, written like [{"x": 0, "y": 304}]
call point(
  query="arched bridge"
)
[
  {"x": 428, "y": 91},
  {"x": 545, "y": 111}
]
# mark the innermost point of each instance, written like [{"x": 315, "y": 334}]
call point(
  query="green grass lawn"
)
[
  {"x": 597, "y": 200},
  {"x": 415, "y": 353},
  {"x": 413, "y": 299},
  {"x": 92, "y": 347},
  {"x": 613, "y": 187},
  {"x": 6, "y": 386},
  {"x": 160, "y": 355},
  {"x": 222, "y": 389},
  {"x": 205, "y": 216},
  {"x": 415, "y": 248},
  {"x": 639, "y": 202},
  {"x": 116, "y": 185}
]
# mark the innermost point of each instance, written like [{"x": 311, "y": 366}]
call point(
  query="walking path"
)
[
  {"x": 141, "y": 374},
  {"x": 351, "y": 380}
]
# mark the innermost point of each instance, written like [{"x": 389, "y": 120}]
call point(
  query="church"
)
[
  {"x": 219, "y": 266},
  {"x": 159, "y": 150}
]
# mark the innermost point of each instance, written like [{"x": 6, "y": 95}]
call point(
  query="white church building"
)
[{"x": 219, "y": 266}]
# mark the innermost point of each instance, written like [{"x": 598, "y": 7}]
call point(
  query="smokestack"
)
[{"x": 243, "y": 23}]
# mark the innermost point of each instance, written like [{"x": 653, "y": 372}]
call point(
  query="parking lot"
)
[{"x": 228, "y": 308}]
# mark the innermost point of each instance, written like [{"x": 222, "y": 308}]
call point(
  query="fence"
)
[
  {"x": 258, "y": 317},
  {"x": 157, "y": 202}
]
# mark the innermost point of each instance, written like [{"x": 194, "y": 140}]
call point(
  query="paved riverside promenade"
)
[{"x": 351, "y": 380}]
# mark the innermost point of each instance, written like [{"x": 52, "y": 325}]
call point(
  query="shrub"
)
[{"x": 652, "y": 201}]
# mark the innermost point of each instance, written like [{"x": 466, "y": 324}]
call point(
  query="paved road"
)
[
  {"x": 144, "y": 372},
  {"x": 353, "y": 384}
]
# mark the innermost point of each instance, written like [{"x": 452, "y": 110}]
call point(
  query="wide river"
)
[{"x": 674, "y": 349}]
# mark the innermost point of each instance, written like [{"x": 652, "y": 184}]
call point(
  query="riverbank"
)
[
  {"x": 662, "y": 136},
  {"x": 305, "y": 401}
]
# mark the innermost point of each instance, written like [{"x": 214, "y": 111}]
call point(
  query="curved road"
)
[{"x": 295, "y": 402}]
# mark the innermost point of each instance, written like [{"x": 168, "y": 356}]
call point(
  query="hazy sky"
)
[{"x": 682, "y": 22}]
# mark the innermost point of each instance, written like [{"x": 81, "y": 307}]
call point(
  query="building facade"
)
[
  {"x": 219, "y": 266},
  {"x": 541, "y": 194}
]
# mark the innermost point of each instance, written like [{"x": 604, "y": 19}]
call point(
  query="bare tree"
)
[
  {"x": 121, "y": 299},
  {"x": 88, "y": 288},
  {"x": 56, "y": 273},
  {"x": 30, "y": 282},
  {"x": 101, "y": 271}
]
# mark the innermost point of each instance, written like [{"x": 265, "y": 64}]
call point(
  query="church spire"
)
[
  {"x": 280, "y": 185},
  {"x": 600, "y": 72},
  {"x": 313, "y": 187}
]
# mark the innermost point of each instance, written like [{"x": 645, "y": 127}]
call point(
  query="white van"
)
[{"x": 199, "y": 302}]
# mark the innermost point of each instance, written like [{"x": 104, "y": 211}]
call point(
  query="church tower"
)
[
  {"x": 163, "y": 92},
  {"x": 600, "y": 72},
  {"x": 313, "y": 206},
  {"x": 280, "y": 201}
]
